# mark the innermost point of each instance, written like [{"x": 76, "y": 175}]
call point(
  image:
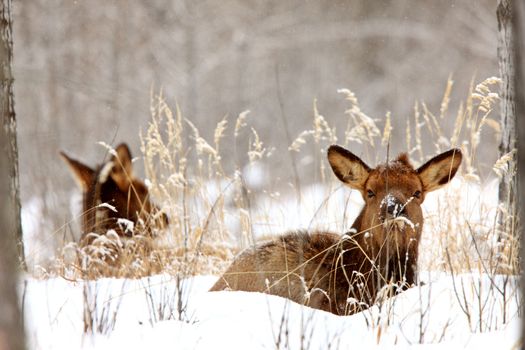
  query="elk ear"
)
[
  {"x": 82, "y": 174},
  {"x": 121, "y": 172},
  {"x": 348, "y": 167},
  {"x": 439, "y": 170}
]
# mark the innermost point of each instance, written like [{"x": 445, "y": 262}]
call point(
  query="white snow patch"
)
[{"x": 429, "y": 314}]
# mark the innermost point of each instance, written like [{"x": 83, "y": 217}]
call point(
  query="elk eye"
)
[
  {"x": 417, "y": 194},
  {"x": 370, "y": 194}
]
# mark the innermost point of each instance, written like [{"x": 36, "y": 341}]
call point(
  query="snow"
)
[
  {"x": 471, "y": 310},
  {"x": 428, "y": 314}
]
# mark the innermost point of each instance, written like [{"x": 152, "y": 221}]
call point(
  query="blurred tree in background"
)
[{"x": 85, "y": 70}]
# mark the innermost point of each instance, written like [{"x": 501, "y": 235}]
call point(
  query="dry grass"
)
[{"x": 213, "y": 214}]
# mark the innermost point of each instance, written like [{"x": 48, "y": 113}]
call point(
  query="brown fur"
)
[
  {"x": 343, "y": 274},
  {"x": 112, "y": 183}
]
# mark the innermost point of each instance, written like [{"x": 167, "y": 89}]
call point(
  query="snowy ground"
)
[
  {"x": 475, "y": 310},
  {"x": 435, "y": 313}
]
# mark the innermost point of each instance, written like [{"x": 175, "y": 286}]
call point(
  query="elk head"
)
[
  {"x": 110, "y": 192},
  {"x": 392, "y": 219}
]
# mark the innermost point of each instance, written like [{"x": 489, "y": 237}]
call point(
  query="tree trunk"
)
[
  {"x": 506, "y": 52},
  {"x": 11, "y": 325},
  {"x": 519, "y": 82}
]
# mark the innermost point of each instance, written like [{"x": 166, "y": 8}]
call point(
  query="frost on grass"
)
[{"x": 107, "y": 206}]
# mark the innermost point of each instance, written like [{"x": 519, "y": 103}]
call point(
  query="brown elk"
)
[
  {"x": 111, "y": 192},
  {"x": 344, "y": 274}
]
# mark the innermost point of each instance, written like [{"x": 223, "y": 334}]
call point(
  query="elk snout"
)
[
  {"x": 392, "y": 207},
  {"x": 394, "y": 214}
]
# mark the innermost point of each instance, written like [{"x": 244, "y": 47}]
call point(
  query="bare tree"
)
[
  {"x": 11, "y": 326},
  {"x": 506, "y": 52},
  {"x": 519, "y": 82}
]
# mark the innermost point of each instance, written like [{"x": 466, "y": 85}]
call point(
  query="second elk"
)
[
  {"x": 343, "y": 274},
  {"x": 116, "y": 207}
]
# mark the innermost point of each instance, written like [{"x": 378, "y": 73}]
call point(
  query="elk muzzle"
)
[{"x": 393, "y": 212}]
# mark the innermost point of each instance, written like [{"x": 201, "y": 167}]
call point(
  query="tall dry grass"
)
[{"x": 215, "y": 213}]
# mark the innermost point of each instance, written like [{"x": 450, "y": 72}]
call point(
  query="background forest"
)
[{"x": 86, "y": 70}]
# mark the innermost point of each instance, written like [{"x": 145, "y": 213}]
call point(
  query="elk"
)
[
  {"x": 111, "y": 192},
  {"x": 344, "y": 274}
]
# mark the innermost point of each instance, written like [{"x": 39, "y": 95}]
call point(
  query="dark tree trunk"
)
[
  {"x": 11, "y": 325},
  {"x": 506, "y": 52},
  {"x": 9, "y": 121}
]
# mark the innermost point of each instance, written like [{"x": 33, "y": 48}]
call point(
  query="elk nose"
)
[
  {"x": 393, "y": 206},
  {"x": 396, "y": 209}
]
